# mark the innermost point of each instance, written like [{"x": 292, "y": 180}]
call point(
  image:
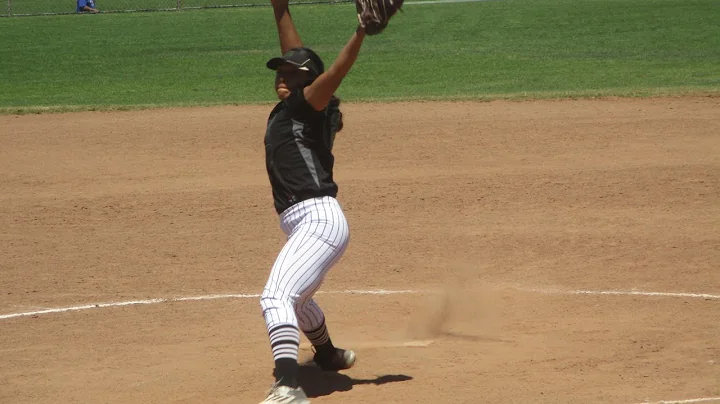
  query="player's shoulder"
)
[
  {"x": 277, "y": 109},
  {"x": 299, "y": 106}
]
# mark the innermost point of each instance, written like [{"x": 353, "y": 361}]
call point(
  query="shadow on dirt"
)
[{"x": 317, "y": 382}]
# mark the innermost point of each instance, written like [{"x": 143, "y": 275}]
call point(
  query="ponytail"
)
[{"x": 334, "y": 115}]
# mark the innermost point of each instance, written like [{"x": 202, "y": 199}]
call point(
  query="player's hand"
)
[{"x": 374, "y": 15}]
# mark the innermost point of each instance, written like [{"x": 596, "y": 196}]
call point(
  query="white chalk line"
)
[
  {"x": 705, "y": 296},
  {"x": 692, "y": 400},
  {"x": 185, "y": 299}
]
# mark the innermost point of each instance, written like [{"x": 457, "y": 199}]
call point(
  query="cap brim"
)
[{"x": 274, "y": 63}]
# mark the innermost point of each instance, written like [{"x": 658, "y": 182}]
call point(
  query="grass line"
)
[
  {"x": 605, "y": 94},
  {"x": 508, "y": 49}
]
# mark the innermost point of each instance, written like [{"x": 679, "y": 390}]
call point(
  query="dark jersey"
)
[{"x": 298, "y": 150}]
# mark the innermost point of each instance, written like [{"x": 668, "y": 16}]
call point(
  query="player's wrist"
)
[{"x": 279, "y": 3}]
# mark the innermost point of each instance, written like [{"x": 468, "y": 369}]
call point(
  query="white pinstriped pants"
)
[{"x": 317, "y": 237}]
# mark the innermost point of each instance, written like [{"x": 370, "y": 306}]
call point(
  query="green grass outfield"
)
[
  {"x": 483, "y": 50},
  {"x": 40, "y": 7}
]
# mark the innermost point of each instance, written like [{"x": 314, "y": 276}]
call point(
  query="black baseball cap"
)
[{"x": 302, "y": 58}]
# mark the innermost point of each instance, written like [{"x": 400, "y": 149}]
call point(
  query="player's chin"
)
[{"x": 282, "y": 93}]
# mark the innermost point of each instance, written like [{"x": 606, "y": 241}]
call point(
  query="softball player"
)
[{"x": 299, "y": 161}]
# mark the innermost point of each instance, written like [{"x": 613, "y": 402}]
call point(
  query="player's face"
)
[{"x": 287, "y": 78}]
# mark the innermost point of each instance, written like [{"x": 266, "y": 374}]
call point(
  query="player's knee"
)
[
  {"x": 268, "y": 298},
  {"x": 273, "y": 298}
]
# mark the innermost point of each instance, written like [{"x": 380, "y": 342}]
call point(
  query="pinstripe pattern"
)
[{"x": 318, "y": 235}]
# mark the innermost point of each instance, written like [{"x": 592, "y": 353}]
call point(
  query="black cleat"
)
[{"x": 339, "y": 360}]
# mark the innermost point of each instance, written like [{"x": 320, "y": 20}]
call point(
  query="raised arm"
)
[
  {"x": 318, "y": 93},
  {"x": 289, "y": 37}
]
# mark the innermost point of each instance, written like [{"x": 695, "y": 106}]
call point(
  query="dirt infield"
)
[{"x": 509, "y": 225}]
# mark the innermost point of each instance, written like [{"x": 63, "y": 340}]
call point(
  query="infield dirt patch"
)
[{"x": 478, "y": 208}]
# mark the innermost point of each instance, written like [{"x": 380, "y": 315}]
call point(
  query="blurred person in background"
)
[{"x": 86, "y": 6}]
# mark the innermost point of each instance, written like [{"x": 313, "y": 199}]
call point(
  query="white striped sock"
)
[{"x": 285, "y": 342}]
